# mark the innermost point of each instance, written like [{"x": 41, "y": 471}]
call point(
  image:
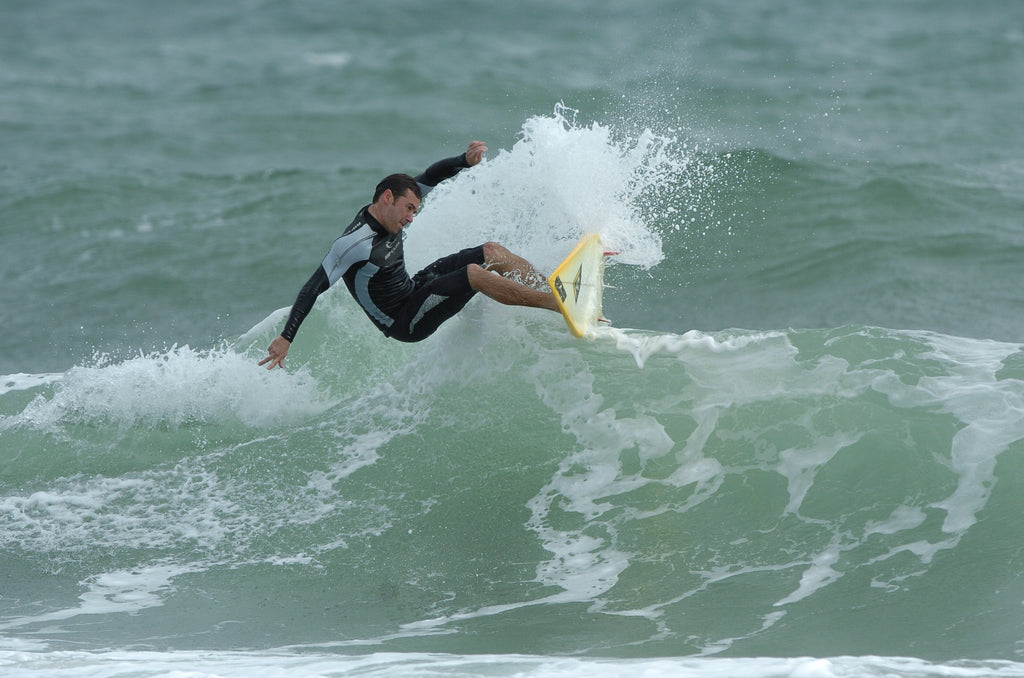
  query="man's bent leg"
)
[
  {"x": 507, "y": 291},
  {"x": 501, "y": 260}
]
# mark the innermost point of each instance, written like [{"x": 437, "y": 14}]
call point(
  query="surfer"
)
[{"x": 370, "y": 260}]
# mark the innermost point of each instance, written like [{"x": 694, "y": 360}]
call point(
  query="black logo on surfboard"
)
[{"x": 560, "y": 288}]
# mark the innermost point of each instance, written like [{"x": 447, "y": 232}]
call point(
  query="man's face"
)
[{"x": 397, "y": 213}]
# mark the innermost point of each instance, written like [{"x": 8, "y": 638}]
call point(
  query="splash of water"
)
[{"x": 560, "y": 180}]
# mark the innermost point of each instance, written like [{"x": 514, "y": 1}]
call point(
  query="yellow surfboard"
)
[{"x": 578, "y": 284}]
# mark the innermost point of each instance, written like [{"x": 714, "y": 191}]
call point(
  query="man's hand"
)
[
  {"x": 475, "y": 152},
  {"x": 278, "y": 349}
]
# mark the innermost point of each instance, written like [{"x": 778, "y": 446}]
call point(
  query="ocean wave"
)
[{"x": 655, "y": 474}]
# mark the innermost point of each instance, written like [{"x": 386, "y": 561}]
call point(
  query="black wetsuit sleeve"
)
[
  {"x": 441, "y": 170},
  {"x": 314, "y": 287}
]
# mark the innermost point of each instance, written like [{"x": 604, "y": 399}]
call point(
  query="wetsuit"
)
[{"x": 371, "y": 262}]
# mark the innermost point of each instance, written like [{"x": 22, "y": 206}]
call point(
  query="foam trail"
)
[{"x": 121, "y": 592}]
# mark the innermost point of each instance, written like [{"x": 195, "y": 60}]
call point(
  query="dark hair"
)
[{"x": 398, "y": 184}]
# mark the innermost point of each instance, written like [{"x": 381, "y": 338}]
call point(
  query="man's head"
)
[
  {"x": 397, "y": 184},
  {"x": 395, "y": 202}
]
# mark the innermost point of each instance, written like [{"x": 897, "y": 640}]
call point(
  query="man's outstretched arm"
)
[
  {"x": 314, "y": 287},
  {"x": 449, "y": 167}
]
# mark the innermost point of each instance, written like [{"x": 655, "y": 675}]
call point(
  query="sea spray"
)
[{"x": 563, "y": 179}]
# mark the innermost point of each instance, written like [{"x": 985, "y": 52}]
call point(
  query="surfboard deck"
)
[{"x": 578, "y": 284}]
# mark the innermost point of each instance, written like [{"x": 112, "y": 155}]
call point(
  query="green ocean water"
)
[{"x": 795, "y": 451}]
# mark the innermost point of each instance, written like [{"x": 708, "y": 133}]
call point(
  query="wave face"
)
[{"x": 737, "y": 492}]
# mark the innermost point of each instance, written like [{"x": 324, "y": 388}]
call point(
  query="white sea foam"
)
[
  {"x": 24, "y": 382},
  {"x": 153, "y": 510},
  {"x": 175, "y": 387},
  {"x": 311, "y": 664}
]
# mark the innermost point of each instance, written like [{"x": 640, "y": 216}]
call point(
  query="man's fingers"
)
[
  {"x": 475, "y": 152},
  {"x": 273, "y": 360}
]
